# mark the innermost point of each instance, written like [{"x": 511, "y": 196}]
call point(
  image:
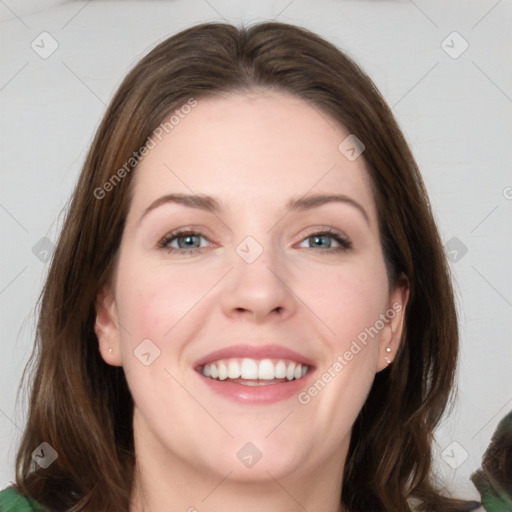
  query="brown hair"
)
[{"x": 83, "y": 408}]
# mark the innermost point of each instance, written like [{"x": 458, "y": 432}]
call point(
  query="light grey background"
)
[{"x": 455, "y": 113}]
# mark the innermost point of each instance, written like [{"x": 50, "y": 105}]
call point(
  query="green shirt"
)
[
  {"x": 494, "y": 498},
  {"x": 12, "y": 501},
  {"x": 496, "y": 502}
]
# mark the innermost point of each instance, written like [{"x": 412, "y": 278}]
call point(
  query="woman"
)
[{"x": 249, "y": 307}]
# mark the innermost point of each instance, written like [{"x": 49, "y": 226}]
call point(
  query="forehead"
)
[{"x": 258, "y": 149}]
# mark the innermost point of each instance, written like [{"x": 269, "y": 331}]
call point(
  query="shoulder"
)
[{"x": 12, "y": 501}]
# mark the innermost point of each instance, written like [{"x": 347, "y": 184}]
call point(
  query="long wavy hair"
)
[{"x": 82, "y": 406}]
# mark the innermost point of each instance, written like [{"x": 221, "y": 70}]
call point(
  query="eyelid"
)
[
  {"x": 322, "y": 229},
  {"x": 344, "y": 242},
  {"x": 178, "y": 233}
]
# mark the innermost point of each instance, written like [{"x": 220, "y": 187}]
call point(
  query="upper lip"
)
[{"x": 253, "y": 352}]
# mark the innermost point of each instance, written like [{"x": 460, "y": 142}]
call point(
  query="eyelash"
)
[{"x": 344, "y": 242}]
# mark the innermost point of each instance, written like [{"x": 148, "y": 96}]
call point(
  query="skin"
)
[{"x": 252, "y": 151}]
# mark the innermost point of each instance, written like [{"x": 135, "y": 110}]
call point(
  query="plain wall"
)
[{"x": 455, "y": 111}]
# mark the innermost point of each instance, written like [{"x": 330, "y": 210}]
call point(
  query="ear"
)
[
  {"x": 107, "y": 328},
  {"x": 394, "y": 325}
]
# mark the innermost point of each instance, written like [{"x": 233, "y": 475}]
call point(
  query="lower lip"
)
[{"x": 264, "y": 394}]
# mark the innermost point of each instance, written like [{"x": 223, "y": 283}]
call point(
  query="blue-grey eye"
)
[
  {"x": 188, "y": 241},
  {"x": 321, "y": 240}
]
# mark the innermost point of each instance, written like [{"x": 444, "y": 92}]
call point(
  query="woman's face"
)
[{"x": 260, "y": 281}]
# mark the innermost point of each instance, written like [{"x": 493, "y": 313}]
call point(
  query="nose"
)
[{"x": 258, "y": 291}]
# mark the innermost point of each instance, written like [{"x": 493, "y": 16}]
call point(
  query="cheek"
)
[
  {"x": 347, "y": 300},
  {"x": 153, "y": 302},
  {"x": 350, "y": 301}
]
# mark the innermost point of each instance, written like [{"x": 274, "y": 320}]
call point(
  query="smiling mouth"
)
[{"x": 254, "y": 372}]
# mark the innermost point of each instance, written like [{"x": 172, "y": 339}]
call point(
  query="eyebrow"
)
[{"x": 212, "y": 205}]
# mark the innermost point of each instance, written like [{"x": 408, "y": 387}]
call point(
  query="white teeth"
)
[
  {"x": 266, "y": 370},
  {"x": 280, "y": 370},
  {"x": 251, "y": 369},
  {"x": 233, "y": 370},
  {"x": 223, "y": 371},
  {"x": 289, "y": 372}
]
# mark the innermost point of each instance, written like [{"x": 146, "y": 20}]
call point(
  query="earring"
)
[
  {"x": 110, "y": 350},
  {"x": 388, "y": 350}
]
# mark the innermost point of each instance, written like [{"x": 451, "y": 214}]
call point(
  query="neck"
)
[
  {"x": 164, "y": 482},
  {"x": 209, "y": 496}
]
